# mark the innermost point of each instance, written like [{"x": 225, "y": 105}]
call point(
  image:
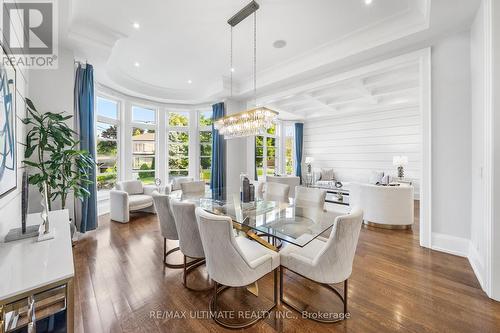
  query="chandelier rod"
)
[
  {"x": 255, "y": 57},
  {"x": 231, "y": 69}
]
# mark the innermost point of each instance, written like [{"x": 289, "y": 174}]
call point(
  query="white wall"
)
[
  {"x": 354, "y": 145},
  {"x": 451, "y": 137},
  {"x": 10, "y": 204},
  {"x": 236, "y": 152},
  {"x": 52, "y": 91}
]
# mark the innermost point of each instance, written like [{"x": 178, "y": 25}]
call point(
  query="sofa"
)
[{"x": 130, "y": 196}]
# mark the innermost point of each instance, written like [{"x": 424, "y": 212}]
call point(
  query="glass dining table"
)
[{"x": 273, "y": 220}]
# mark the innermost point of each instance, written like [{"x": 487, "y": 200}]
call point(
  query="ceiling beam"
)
[{"x": 317, "y": 102}]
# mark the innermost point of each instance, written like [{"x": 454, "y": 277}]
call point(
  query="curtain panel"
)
[
  {"x": 218, "y": 168},
  {"x": 86, "y": 209},
  {"x": 299, "y": 138}
]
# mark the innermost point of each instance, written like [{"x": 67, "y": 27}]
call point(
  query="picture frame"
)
[{"x": 8, "y": 125}]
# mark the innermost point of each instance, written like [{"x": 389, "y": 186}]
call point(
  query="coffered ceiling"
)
[
  {"x": 385, "y": 85},
  {"x": 178, "y": 51}
]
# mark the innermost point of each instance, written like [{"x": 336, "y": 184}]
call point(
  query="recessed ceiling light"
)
[
  {"x": 368, "y": 2},
  {"x": 279, "y": 44},
  {"x": 189, "y": 81},
  {"x": 232, "y": 69},
  {"x": 136, "y": 25},
  {"x": 137, "y": 64}
]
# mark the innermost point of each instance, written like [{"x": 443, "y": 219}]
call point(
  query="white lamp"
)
[{"x": 400, "y": 162}]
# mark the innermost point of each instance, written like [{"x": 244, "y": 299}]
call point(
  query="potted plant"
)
[{"x": 53, "y": 156}]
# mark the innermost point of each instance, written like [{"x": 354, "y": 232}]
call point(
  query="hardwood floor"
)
[{"x": 396, "y": 286}]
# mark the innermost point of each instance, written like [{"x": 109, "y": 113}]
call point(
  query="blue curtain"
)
[
  {"x": 299, "y": 134},
  {"x": 86, "y": 212},
  {"x": 218, "y": 168}
]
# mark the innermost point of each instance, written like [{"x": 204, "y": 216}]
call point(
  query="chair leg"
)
[
  {"x": 346, "y": 289},
  {"x": 275, "y": 291},
  {"x": 166, "y": 254},
  {"x": 213, "y": 308},
  {"x": 281, "y": 283},
  {"x": 338, "y": 318},
  {"x": 188, "y": 268}
]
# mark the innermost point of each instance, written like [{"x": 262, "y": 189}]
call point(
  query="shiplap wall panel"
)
[{"x": 354, "y": 145}]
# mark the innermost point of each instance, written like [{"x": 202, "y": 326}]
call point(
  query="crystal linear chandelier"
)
[
  {"x": 247, "y": 123},
  {"x": 255, "y": 121}
]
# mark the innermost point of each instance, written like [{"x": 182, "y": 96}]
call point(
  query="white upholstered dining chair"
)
[
  {"x": 309, "y": 197},
  {"x": 189, "y": 237},
  {"x": 177, "y": 181},
  {"x": 327, "y": 262},
  {"x": 270, "y": 191},
  {"x": 233, "y": 261},
  {"x": 167, "y": 225},
  {"x": 193, "y": 189}
]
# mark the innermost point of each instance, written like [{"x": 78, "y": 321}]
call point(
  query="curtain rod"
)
[{"x": 78, "y": 62}]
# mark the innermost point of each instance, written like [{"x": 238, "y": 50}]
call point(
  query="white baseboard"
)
[
  {"x": 477, "y": 264},
  {"x": 461, "y": 247},
  {"x": 450, "y": 244}
]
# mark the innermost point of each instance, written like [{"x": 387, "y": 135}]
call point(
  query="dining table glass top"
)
[{"x": 284, "y": 221}]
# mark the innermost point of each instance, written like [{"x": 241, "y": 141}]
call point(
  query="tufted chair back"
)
[
  {"x": 187, "y": 228},
  {"x": 164, "y": 213}
]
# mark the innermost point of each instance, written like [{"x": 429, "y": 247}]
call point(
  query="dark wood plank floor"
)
[{"x": 396, "y": 286}]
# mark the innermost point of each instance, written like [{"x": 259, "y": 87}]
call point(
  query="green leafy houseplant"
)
[{"x": 56, "y": 159}]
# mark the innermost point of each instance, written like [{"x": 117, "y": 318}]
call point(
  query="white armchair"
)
[
  {"x": 389, "y": 207},
  {"x": 325, "y": 262},
  {"x": 131, "y": 195},
  {"x": 233, "y": 261}
]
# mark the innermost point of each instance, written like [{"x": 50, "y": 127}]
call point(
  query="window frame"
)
[
  {"x": 200, "y": 129},
  {"x": 113, "y": 122},
  {"x": 277, "y": 152},
  {"x": 145, "y": 126},
  {"x": 183, "y": 129},
  {"x": 284, "y": 125}
]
